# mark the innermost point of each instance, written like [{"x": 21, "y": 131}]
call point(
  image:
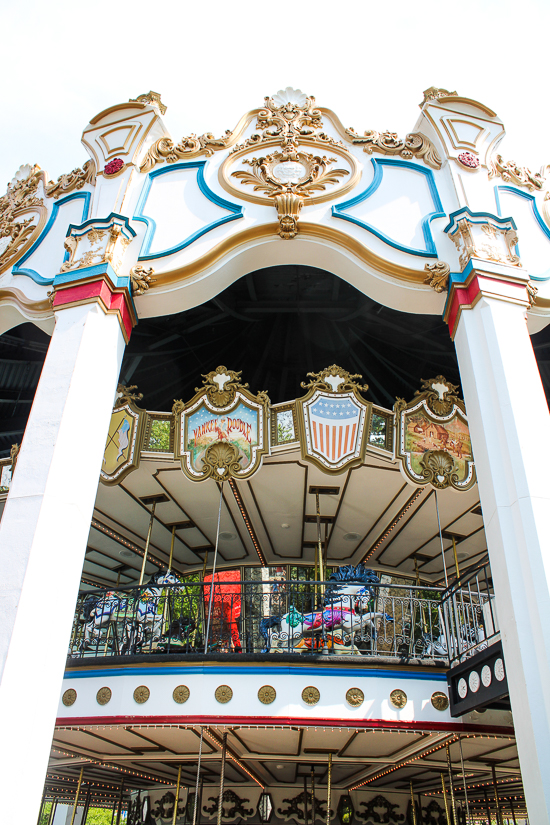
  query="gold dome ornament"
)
[
  {"x": 355, "y": 697},
  {"x": 103, "y": 696},
  {"x": 69, "y": 697},
  {"x": 440, "y": 700},
  {"x": 267, "y": 694},
  {"x": 180, "y": 694},
  {"x": 398, "y": 698},
  {"x": 223, "y": 694},
  {"x": 310, "y": 695},
  {"x": 141, "y": 694}
]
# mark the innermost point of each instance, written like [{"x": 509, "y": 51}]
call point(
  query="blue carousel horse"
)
[
  {"x": 145, "y": 623},
  {"x": 347, "y": 604}
]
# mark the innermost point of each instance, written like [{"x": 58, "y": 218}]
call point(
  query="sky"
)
[{"x": 213, "y": 61}]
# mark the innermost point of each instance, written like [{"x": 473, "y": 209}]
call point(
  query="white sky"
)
[{"x": 212, "y": 61}]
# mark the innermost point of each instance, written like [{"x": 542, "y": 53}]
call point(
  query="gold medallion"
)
[
  {"x": 180, "y": 694},
  {"x": 355, "y": 697},
  {"x": 103, "y": 695},
  {"x": 398, "y": 698},
  {"x": 69, "y": 697},
  {"x": 440, "y": 700},
  {"x": 267, "y": 694},
  {"x": 141, "y": 694},
  {"x": 311, "y": 695},
  {"x": 223, "y": 694}
]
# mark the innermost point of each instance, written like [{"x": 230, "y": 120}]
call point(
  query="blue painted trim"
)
[
  {"x": 284, "y": 670},
  {"x": 94, "y": 221},
  {"x": 235, "y": 209},
  {"x": 430, "y": 251},
  {"x": 39, "y": 279},
  {"x": 538, "y": 217},
  {"x": 473, "y": 215},
  {"x": 75, "y": 275}
]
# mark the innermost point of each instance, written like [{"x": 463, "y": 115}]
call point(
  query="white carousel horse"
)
[
  {"x": 98, "y": 613},
  {"x": 146, "y": 621}
]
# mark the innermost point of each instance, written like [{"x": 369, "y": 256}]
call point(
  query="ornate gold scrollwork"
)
[
  {"x": 433, "y": 93},
  {"x": 153, "y": 98},
  {"x": 164, "y": 149},
  {"x": 288, "y": 211},
  {"x": 221, "y": 386},
  {"x": 532, "y": 293},
  {"x": 17, "y": 232},
  {"x": 141, "y": 279},
  {"x": 510, "y": 172},
  {"x": 388, "y": 143},
  {"x": 312, "y": 173},
  {"x": 346, "y": 384},
  {"x": 438, "y": 468},
  {"x": 127, "y": 396},
  {"x": 438, "y": 275},
  {"x": 221, "y": 461},
  {"x": 72, "y": 180},
  {"x": 440, "y": 394}
]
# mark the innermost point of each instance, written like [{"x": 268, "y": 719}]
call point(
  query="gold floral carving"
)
[
  {"x": 438, "y": 275},
  {"x": 221, "y": 386},
  {"x": 440, "y": 394},
  {"x": 103, "y": 696},
  {"x": 17, "y": 232},
  {"x": 440, "y": 700},
  {"x": 438, "y": 468},
  {"x": 126, "y": 395},
  {"x": 14, "y": 452},
  {"x": 164, "y": 149},
  {"x": 346, "y": 383},
  {"x": 311, "y": 695},
  {"x": 72, "y": 180},
  {"x": 69, "y": 697},
  {"x": 510, "y": 172},
  {"x": 141, "y": 279},
  {"x": 433, "y": 93},
  {"x": 532, "y": 293},
  {"x": 180, "y": 694},
  {"x": 141, "y": 694},
  {"x": 104, "y": 246},
  {"x": 289, "y": 206},
  {"x": 267, "y": 694},
  {"x": 398, "y": 698},
  {"x": 221, "y": 461},
  {"x": 153, "y": 98},
  {"x": 486, "y": 241},
  {"x": 388, "y": 143},
  {"x": 223, "y": 694},
  {"x": 355, "y": 697}
]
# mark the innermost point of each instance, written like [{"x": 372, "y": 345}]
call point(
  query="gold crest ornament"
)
[
  {"x": 433, "y": 439},
  {"x": 334, "y": 420},
  {"x": 222, "y": 432},
  {"x": 124, "y": 438},
  {"x": 22, "y": 214}
]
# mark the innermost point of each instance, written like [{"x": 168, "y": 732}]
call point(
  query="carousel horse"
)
[
  {"x": 345, "y": 605},
  {"x": 146, "y": 621},
  {"x": 97, "y": 612},
  {"x": 470, "y": 637}
]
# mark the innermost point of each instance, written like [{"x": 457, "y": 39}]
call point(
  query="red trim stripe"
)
[
  {"x": 353, "y": 436},
  {"x": 321, "y": 438},
  {"x": 315, "y": 435},
  {"x": 346, "y": 439}
]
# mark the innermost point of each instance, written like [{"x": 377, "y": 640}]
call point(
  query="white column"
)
[
  {"x": 510, "y": 430},
  {"x": 43, "y": 537}
]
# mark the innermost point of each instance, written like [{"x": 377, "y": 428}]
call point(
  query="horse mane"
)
[{"x": 356, "y": 575}]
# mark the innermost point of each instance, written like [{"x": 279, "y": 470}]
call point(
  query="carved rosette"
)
[
  {"x": 483, "y": 236},
  {"x": 98, "y": 241},
  {"x": 438, "y": 275},
  {"x": 433, "y": 439},
  {"x": 22, "y": 215}
]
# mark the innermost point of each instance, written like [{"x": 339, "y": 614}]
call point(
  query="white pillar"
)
[
  {"x": 43, "y": 537},
  {"x": 510, "y": 429}
]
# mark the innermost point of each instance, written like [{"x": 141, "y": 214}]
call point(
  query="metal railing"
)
[
  {"x": 399, "y": 622},
  {"x": 469, "y": 615}
]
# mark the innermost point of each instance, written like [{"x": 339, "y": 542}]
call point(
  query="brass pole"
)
[
  {"x": 172, "y": 547},
  {"x": 445, "y": 800},
  {"x": 305, "y": 801},
  {"x": 313, "y": 795},
  {"x": 464, "y": 780},
  {"x": 329, "y": 788},
  {"x": 487, "y": 806},
  {"x": 319, "y": 541},
  {"x": 456, "y": 560},
  {"x": 512, "y": 810},
  {"x": 412, "y": 803},
  {"x": 499, "y": 816},
  {"x": 177, "y": 797},
  {"x": 77, "y": 794},
  {"x": 52, "y": 810},
  {"x": 417, "y": 574},
  {"x": 453, "y": 804},
  {"x": 222, "y": 779},
  {"x": 119, "y": 811},
  {"x": 145, "y": 552}
]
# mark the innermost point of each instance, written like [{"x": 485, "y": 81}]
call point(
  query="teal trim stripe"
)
[
  {"x": 430, "y": 250},
  {"x": 538, "y": 217},
  {"x": 235, "y": 210},
  {"x": 36, "y": 277},
  {"x": 256, "y": 670}
]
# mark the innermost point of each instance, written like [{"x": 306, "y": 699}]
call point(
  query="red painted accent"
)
[
  {"x": 114, "y": 166},
  {"x": 283, "y": 721},
  {"x": 461, "y": 296},
  {"x": 116, "y": 300}
]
